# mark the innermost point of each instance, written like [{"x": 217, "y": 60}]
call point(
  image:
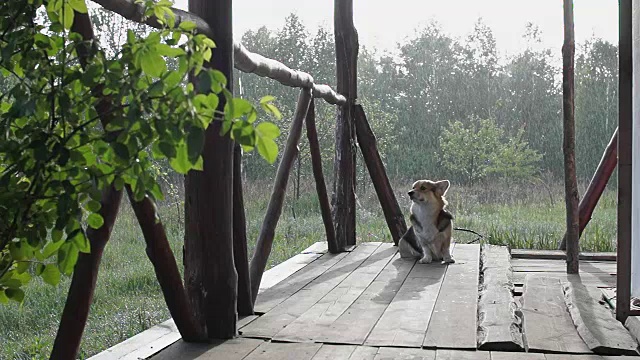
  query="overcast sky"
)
[{"x": 382, "y": 27}]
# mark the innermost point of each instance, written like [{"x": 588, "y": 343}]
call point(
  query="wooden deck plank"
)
[
  {"x": 572, "y": 357},
  {"x": 499, "y": 355},
  {"x": 364, "y": 353},
  {"x": 525, "y": 265},
  {"x": 405, "y": 320},
  {"x": 132, "y": 344},
  {"x": 353, "y": 326},
  {"x": 334, "y": 352},
  {"x": 278, "y": 293},
  {"x": 498, "y": 327},
  {"x": 596, "y": 325},
  {"x": 234, "y": 349},
  {"x": 389, "y": 353},
  {"x": 283, "y": 351},
  {"x": 560, "y": 255},
  {"x": 454, "y": 318},
  {"x": 316, "y": 322},
  {"x": 602, "y": 280},
  {"x": 547, "y": 324},
  {"x": 446, "y": 354},
  {"x": 269, "y": 324}
]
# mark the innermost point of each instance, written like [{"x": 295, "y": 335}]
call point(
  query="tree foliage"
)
[{"x": 75, "y": 119}]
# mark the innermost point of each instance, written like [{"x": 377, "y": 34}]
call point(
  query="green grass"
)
[{"x": 128, "y": 299}]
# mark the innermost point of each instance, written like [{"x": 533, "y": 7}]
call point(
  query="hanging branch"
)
[
  {"x": 245, "y": 60},
  {"x": 267, "y": 232}
]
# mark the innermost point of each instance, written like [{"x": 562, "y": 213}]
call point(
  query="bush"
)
[{"x": 473, "y": 151}]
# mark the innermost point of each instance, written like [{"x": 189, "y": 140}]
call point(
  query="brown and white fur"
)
[{"x": 429, "y": 236}]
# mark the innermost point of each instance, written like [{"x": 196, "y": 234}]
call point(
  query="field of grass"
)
[{"x": 128, "y": 299}]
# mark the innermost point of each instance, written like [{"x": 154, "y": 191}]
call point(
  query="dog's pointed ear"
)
[{"x": 442, "y": 187}]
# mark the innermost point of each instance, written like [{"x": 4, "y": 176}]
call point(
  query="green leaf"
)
[
  {"x": 51, "y": 274},
  {"x": 181, "y": 162},
  {"x": 267, "y": 99},
  {"x": 268, "y": 130},
  {"x": 67, "y": 16},
  {"x": 169, "y": 150},
  {"x": 78, "y": 5},
  {"x": 199, "y": 164},
  {"x": 187, "y": 26},
  {"x": 67, "y": 257},
  {"x": 195, "y": 143},
  {"x": 3, "y": 297},
  {"x": 15, "y": 294},
  {"x": 93, "y": 205},
  {"x": 51, "y": 248},
  {"x": 238, "y": 107},
  {"x": 268, "y": 149},
  {"x": 153, "y": 64},
  {"x": 121, "y": 150},
  {"x": 95, "y": 220}
]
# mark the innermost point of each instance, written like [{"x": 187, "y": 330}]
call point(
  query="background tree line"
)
[{"x": 451, "y": 107}]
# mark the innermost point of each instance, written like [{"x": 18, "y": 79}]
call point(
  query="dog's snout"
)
[{"x": 410, "y": 192}]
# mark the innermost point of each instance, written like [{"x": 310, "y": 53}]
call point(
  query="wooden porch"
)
[{"x": 371, "y": 304}]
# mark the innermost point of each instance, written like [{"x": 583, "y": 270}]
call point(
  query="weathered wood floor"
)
[{"x": 371, "y": 304}]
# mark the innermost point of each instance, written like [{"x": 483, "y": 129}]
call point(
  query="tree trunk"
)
[
  {"x": 344, "y": 203},
  {"x": 83, "y": 283},
  {"x": 321, "y": 187},
  {"x": 596, "y": 186},
  {"x": 388, "y": 201},
  {"x": 274, "y": 210},
  {"x": 240, "y": 255},
  {"x": 569, "y": 143},
  {"x": 210, "y": 274},
  {"x": 166, "y": 269}
]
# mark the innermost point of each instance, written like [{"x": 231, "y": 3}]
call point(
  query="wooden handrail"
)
[{"x": 244, "y": 60}]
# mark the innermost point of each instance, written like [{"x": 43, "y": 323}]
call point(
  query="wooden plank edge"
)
[
  {"x": 560, "y": 255},
  {"x": 572, "y": 295},
  {"x": 502, "y": 286},
  {"x": 141, "y": 339}
]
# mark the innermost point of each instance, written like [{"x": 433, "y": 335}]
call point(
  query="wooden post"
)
[
  {"x": 344, "y": 171},
  {"x": 83, "y": 283},
  {"x": 597, "y": 185},
  {"x": 625, "y": 157},
  {"x": 166, "y": 269},
  {"x": 210, "y": 273},
  {"x": 267, "y": 232},
  {"x": 240, "y": 256},
  {"x": 388, "y": 201},
  {"x": 569, "y": 143},
  {"x": 321, "y": 187}
]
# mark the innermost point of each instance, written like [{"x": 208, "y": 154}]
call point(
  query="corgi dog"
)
[{"x": 429, "y": 236}]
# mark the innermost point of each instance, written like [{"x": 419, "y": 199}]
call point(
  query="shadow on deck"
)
[{"x": 371, "y": 304}]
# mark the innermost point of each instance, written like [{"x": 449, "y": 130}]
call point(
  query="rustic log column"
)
[
  {"x": 596, "y": 186},
  {"x": 267, "y": 232},
  {"x": 569, "y": 143},
  {"x": 210, "y": 274},
  {"x": 344, "y": 203},
  {"x": 166, "y": 268},
  {"x": 321, "y": 187},
  {"x": 388, "y": 201},
  {"x": 83, "y": 283},
  {"x": 240, "y": 254}
]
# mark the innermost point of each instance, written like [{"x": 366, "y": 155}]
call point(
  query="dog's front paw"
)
[
  {"x": 448, "y": 261},
  {"x": 425, "y": 260}
]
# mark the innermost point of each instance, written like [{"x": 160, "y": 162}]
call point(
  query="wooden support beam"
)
[
  {"x": 625, "y": 157},
  {"x": 210, "y": 273},
  {"x": 83, "y": 283},
  {"x": 321, "y": 187},
  {"x": 240, "y": 254},
  {"x": 166, "y": 268},
  {"x": 388, "y": 201},
  {"x": 596, "y": 186},
  {"x": 569, "y": 142},
  {"x": 267, "y": 232},
  {"x": 344, "y": 201}
]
